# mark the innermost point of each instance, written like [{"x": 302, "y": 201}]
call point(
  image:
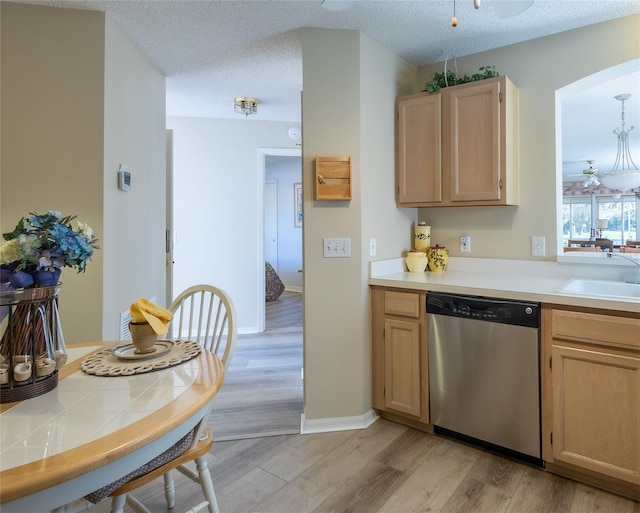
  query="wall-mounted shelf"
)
[{"x": 333, "y": 178}]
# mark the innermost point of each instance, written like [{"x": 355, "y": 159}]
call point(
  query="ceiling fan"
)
[
  {"x": 591, "y": 179},
  {"x": 588, "y": 177}
]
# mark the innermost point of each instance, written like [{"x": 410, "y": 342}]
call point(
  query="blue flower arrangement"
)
[{"x": 40, "y": 246}]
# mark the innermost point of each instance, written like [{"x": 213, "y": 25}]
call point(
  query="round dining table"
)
[{"x": 91, "y": 430}]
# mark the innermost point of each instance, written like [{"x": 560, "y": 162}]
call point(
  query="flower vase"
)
[{"x": 32, "y": 346}]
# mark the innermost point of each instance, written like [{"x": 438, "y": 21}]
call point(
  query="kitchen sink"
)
[{"x": 601, "y": 288}]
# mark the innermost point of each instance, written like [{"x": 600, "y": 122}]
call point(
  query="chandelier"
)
[
  {"x": 625, "y": 174},
  {"x": 246, "y": 106}
]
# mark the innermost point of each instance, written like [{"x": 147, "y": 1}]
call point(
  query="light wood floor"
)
[
  {"x": 262, "y": 390},
  {"x": 285, "y": 312},
  {"x": 387, "y": 468}
]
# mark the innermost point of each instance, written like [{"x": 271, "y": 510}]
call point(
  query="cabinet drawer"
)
[
  {"x": 596, "y": 328},
  {"x": 406, "y": 304}
]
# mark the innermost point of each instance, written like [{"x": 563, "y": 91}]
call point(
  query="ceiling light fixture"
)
[
  {"x": 625, "y": 174},
  {"x": 245, "y": 105},
  {"x": 454, "y": 20},
  {"x": 591, "y": 178}
]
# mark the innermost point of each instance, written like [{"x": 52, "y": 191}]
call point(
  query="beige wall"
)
[
  {"x": 78, "y": 99},
  {"x": 350, "y": 83},
  {"x": 538, "y": 68},
  {"x": 66, "y": 127},
  {"x": 52, "y": 132}
]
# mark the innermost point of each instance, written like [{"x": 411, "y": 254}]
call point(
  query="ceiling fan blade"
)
[
  {"x": 509, "y": 8},
  {"x": 337, "y": 5}
]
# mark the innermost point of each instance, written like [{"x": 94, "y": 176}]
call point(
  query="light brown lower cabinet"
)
[
  {"x": 591, "y": 381},
  {"x": 590, "y": 368},
  {"x": 399, "y": 354}
]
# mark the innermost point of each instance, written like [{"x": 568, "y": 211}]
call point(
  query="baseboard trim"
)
[{"x": 337, "y": 423}]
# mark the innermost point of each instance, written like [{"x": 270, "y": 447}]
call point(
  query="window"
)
[
  {"x": 616, "y": 218},
  {"x": 576, "y": 218},
  {"x": 619, "y": 218}
]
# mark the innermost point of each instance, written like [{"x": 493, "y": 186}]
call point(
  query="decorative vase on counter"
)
[
  {"x": 416, "y": 261},
  {"x": 438, "y": 258},
  {"x": 422, "y": 237}
]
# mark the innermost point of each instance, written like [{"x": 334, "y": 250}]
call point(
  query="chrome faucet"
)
[{"x": 633, "y": 277}]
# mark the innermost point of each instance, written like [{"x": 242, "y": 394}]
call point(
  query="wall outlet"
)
[
  {"x": 336, "y": 248},
  {"x": 537, "y": 246},
  {"x": 465, "y": 243},
  {"x": 372, "y": 247}
]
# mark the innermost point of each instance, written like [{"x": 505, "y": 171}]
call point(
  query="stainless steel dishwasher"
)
[{"x": 484, "y": 372}]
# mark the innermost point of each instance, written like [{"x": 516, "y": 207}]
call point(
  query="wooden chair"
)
[
  {"x": 592, "y": 249},
  {"x": 205, "y": 314},
  {"x": 633, "y": 243},
  {"x": 629, "y": 249}
]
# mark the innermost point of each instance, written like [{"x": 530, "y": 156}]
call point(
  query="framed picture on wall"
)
[{"x": 297, "y": 205}]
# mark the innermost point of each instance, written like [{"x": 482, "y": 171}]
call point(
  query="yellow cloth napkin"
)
[{"x": 158, "y": 318}]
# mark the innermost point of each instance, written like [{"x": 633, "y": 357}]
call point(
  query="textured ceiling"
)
[{"x": 212, "y": 51}]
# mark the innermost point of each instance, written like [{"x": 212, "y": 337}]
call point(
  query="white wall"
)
[
  {"x": 286, "y": 173},
  {"x": 218, "y": 201},
  {"x": 134, "y": 118},
  {"x": 538, "y": 68}
]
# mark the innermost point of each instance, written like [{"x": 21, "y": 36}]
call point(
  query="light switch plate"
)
[
  {"x": 537, "y": 246},
  {"x": 336, "y": 247},
  {"x": 372, "y": 247}
]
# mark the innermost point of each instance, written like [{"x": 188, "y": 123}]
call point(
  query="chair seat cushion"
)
[
  {"x": 273, "y": 284},
  {"x": 175, "y": 450}
]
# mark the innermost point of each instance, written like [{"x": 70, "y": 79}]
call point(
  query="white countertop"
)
[{"x": 510, "y": 279}]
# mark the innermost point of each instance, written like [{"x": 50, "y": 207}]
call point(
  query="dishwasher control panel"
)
[{"x": 507, "y": 311}]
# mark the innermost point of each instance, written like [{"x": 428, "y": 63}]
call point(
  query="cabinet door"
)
[
  {"x": 402, "y": 366},
  {"x": 475, "y": 143},
  {"x": 596, "y": 411},
  {"x": 418, "y": 149}
]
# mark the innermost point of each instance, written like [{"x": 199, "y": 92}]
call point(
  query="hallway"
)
[{"x": 262, "y": 392}]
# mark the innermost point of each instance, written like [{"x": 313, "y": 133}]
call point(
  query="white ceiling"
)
[{"x": 212, "y": 51}]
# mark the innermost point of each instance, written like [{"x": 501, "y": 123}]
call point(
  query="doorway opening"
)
[
  {"x": 280, "y": 179},
  {"x": 263, "y": 392}
]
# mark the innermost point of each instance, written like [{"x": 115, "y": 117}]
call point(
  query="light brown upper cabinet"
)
[{"x": 458, "y": 147}]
